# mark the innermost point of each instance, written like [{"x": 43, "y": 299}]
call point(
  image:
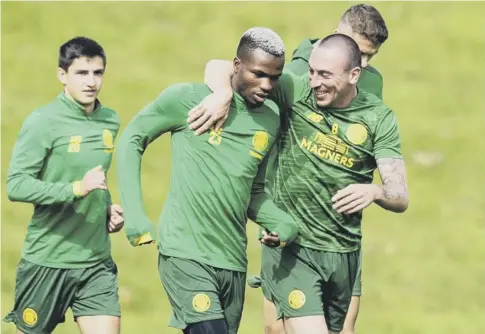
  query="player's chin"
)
[
  {"x": 324, "y": 100},
  {"x": 324, "y": 103},
  {"x": 87, "y": 99},
  {"x": 254, "y": 103}
]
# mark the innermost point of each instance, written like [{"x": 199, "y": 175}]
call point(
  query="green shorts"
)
[
  {"x": 255, "y": 281},
  {"x": 43, "y": 294},
  {"x": 305, "y": 282},
  {"x": 199, "y": 292}
]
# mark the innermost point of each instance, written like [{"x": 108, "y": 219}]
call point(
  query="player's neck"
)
[
  {"x": 88, "y": 109},
  {"x": 234, "y": 85},
  {"x": 346, "y": 100},
  {"x": 237, "y": 89}
]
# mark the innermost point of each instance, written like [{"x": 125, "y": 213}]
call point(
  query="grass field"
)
[{"x": 424, "y": 270}]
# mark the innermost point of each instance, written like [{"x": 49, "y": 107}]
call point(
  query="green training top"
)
[
  {"x": 323, "y": 151},
  {"x": 370, "y": 79},
  {"x": 57, "y": 145},
  {"x": 217, "y": 179}
]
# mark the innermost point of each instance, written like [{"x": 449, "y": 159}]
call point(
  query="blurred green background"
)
[{"x": 424, "y": 271}]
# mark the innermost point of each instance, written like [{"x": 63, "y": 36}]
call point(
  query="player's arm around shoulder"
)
[{"x": 213, "y": 110}]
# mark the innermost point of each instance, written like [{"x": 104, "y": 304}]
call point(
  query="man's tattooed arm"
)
[{"x": 394, "y": 194}]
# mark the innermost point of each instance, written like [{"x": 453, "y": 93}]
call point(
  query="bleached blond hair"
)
[{"x": 261, "y": 38}]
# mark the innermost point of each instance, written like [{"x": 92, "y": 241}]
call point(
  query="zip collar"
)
[{"x": 76, "y": 106}]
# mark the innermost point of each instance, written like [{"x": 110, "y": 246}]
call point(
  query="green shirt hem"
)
[
  {"x": 328, "y": 249},
  {"x": 65, "y": 265},
  {"x": 203, "y": 261}
]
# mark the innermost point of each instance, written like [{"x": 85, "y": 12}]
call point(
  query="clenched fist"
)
[{"x": 115, "y": 218}]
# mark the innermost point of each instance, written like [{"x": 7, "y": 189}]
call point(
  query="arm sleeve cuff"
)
[
  {"x": 143, "y": 239},
  {"x": 76, "y": 189}
]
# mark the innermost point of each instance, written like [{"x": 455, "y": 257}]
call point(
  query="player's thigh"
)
[
  {"x": 98, "y": 295},
  {"x": 192, "y": 289},
  {"x": 291, "y": 282},
  {"x": 353, "y": 312},
  {"x": 357, "y": 289},
  {"x": 314, "y": 324},
  {"x": 342, "y": 270},
  {"x": 42, "y": 297},
  {"x": 99, "y": 324},
  {"x": 218, "y": 326},
  {"x": 351, "y": 317},
  {"x": 272, "y": 325},
  {"x": 231, "y": 295}
]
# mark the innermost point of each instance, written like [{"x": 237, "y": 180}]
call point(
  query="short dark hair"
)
[
  {"x": 350, "y": 46},
  {"x": 79, "y": 47},
  {"x": 260, "y": 38},
  {"x": 366, "y": 20}
]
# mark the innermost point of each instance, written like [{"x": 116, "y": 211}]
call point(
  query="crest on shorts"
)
[
  {"x": 201, "y": 302},
  {"x": 260, "y": 140},
  {"x": 357, "y": 134},
  {"x": 108, "y": 141},
  {"x": 29, "y": 316},
  {"x": 296, "y": 299}
]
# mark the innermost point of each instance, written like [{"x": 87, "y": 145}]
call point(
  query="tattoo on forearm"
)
[{"x": 393, "y": 175}]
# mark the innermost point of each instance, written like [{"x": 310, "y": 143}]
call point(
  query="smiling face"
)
[
  {"x": 83, "y": 79},
  {"x": 331, "y": 76},
  {"x": 256, "y": 74}
]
